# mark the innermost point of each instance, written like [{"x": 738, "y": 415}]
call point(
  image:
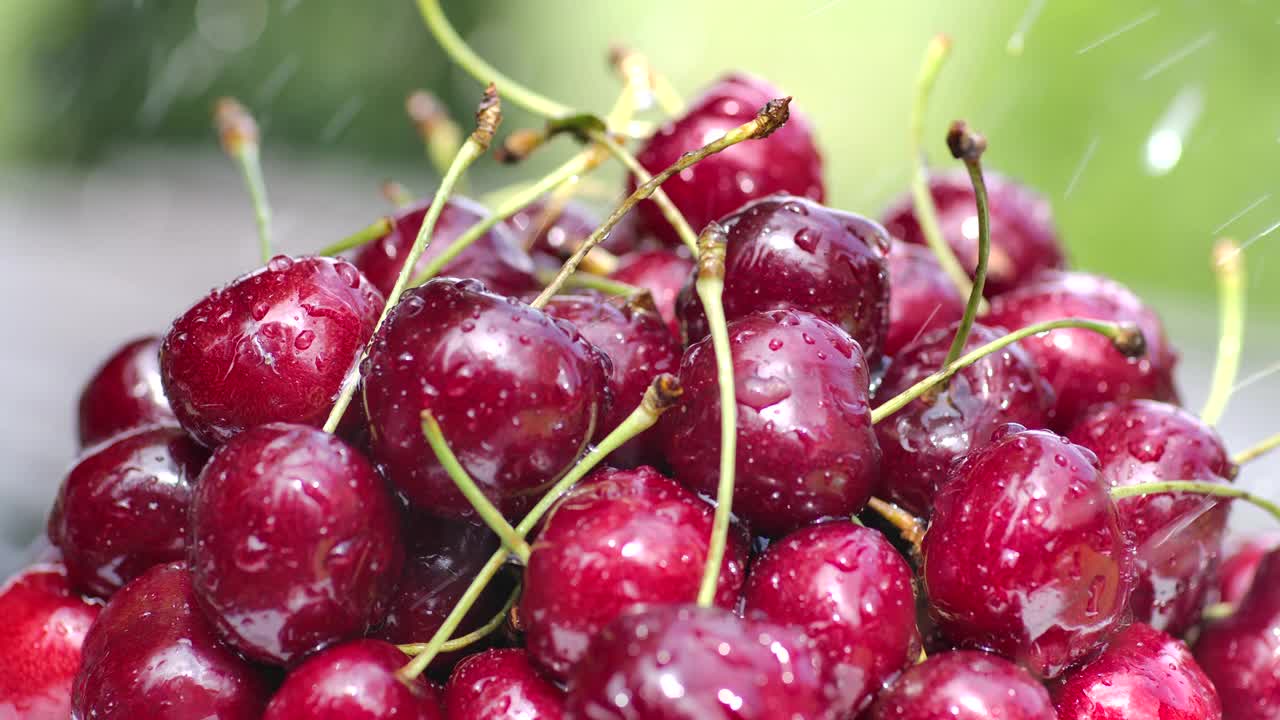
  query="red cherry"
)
[
  {"x": 965, "y": 685},
  {"x": 124, "y": 393},
  {"x": 501, "y": 685},
  {"x": 565, "y": 232},
  {"x": 353, "y": 681},
  {"x": 1241, "y": 653},
  {"x": 1235, "y": 577},
  {"x": 662, "y": 273},
  {"x": 923, "y": 297}
]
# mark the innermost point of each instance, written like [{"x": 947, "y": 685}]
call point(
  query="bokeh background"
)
[{"x": 1153, "y": 126}]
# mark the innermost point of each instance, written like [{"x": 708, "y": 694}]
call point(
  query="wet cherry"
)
[
  {"x": 662, "y": 273},
  {"x": 1241, "y": 653},
  {"x": 1235, "y": 576},
  {"x": 124, "y": 393},
  {"x": 923, "y": 297},
  {"x": 353, "y": 681},
  {"x": 965, "y": 685},
  {"x": 501, "y": 685},
  {"x": 550, "y": 245}
]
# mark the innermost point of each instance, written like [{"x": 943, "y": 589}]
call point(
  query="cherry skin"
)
[
  {"x": 124, "y": 393},
  {"x": 45, "y": 625},
  {"x": 501, "y": 685},
  {"x": 1241, "y": 653},
  {"x": 1024, "y": 241},
  {"x": 681, "y": 662},
  {"x": 623, "y": 537},
  {"x": 806, "y": 449},
  {"x": 295, "y": 542},
  {"x": 1143, "y": 674},
  {"x": 787, "y": 252},
  {"x": 353, "y": 681},
  {"x": 496, "y": 258},
  {"x": 851, "y": 592},
  {"x": 923, "y": 297},
  {"x": 1083, "y": 367},
  {"x": 152, "y": 653},
  {"x": 965, "y": 685},
  {"x": 550, "y": 245},
  {"x": 1236, "y": 574},
  {"x": 123, "y": 507},
  {"x": 1177, "y": 536},
  {"x": 923, "y": 440},
  {"x": 273, "y": 346},
  {"x": 662, "y": 273},
  {"x": 517, "y": 395},
  {"x": 1025, "y": 556}
]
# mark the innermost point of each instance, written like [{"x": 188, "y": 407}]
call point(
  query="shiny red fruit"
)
[
  {"x": 965, "y": 685},
  {"x": 923, "y": 298},
  {"x": 353, "y": 681},
  {"x": 1235, "y": 576},
  {"x": 550, "y": 243},
  {"x": 1241, "y": 653},
  {"x": 501, "y": 685},
  {"x": 124, "y": 393},
  {"x": 662, "y": 273}
]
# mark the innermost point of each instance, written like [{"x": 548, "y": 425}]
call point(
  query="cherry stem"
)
[
  {"x": 1217, "y": 611},
  {"x": 968, "y": 146},
  {"x": 668, "y": 209},
  {"x": 911, "y": 527},
  {"x": 771, "y": 117},
  {"x": 591, "y": 282},
  {"x": 373, "y": 231},
  {"x": 1125, "y": 337},
  {"x": 1198, "y": 488},
  {"x": 441, "y": 136},
  {"x": 488, "y": 116},
  {"x": 238, "y": 133},
  {"x": 1257, "y": 451},
  {"x": 635, "y": 68},
  {"x": 1229, "y": 267},
  {"x": 710, "y": 286},
  {"x": 464, "y": 641},
  {"x": 397, "y": 194},
  {"x": 663, "y": 392}
]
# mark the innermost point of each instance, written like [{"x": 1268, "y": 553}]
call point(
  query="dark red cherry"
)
[
  {"x": 1177, "y": 536},
  {"x": 124, "y": 393},
  {"x": 273, "y": 346},
  {"x": 1025, "y": 556},
  {"x": 353, "y": 681},
  {"x": 623, "y": 537},
  {"x": 496, "y": 258},
  {"x": 965, "y": 685},
  {"x": 923, "y": 297},
  {"x": 662, "y": 273},
  {"x": 45, "y": 625},
  {"x": 1024, "y": 240},
  {"x": 501, "y": 685},
  {"x": 681, "y": 662},
  {"x": 152, "y": 654},
  {"x": 517, "y": 394},
  {"x": 123, "y": 507},
  {"x": 923, "y": 440},
  {"x": 1241, "y": 653},
  {"x": 785, "y": 162},
  {"x": 295, "y": 542},
  {"x": 1143, "y": 674},
  {"x": 791, "y": 253},
  {"x": 806, "y": 449},
  {"x": 1083, "y": 367},
  {"x": 551, "y": 243},
  {"x": 1235, "y": 576},
  {"x": 851, "y": 592}
]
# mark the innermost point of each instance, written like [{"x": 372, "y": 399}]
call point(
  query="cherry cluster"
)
[{"x": 802, "y": 465}]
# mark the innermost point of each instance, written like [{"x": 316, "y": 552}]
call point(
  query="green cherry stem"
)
[
  {"x": 1246, "y": 456},
  {"x": 635, "y": 67},
  {"x": 238, "y": 133},
  {"x": 372, "y": 232},
  {"x": 441, "y": 136},
  {"x": 590, "y": 282},
  {"x": 1198, "y": 488},
  {"x": 968, "y": 146},
  {"x": 488, "y": 116},
  {"x": 464, "y": 641},
  {"x": 1229, "y": 267},
  {"x": 668, "y": 209},
  {"x": 910, "y": 526}
]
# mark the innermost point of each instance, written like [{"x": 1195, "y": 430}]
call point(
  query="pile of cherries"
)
[{"x": 216, "y": 554}]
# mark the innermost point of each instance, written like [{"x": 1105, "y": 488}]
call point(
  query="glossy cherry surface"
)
[
  {"x": 923, "y": 440},
  {"x": 272, "y": 346},
  {"x": 517, "y": 394},
  {"x": 1177, "y": 536},
  {"x": 1235, "y": 576},
  {"x": 923, "y": 297},
  {"x": 806, "y": 449},
  {"x": 501, "y": 685},
  {"x": 662, "y": 273},
  {"x": 295, "y": 542},
  {"x": 353, "y": 681},
  {"x": 1083, "y": 367},
  {"x": 1025, "y": 556},
  {"x": 123, "y": 507},
  {"x": 550, "y": 243},
  {"x": 1241, "y": 653},
  {"x": 680, "y": 662},
  {"x": 851, "y": 592},
  {"x": 152, "y": 654},
  {"x": 787, "y": 253},
  {"x": 124, "y": 393},
  {"x": 965, "y": 685},
  {"x": 1143, "y": 674},
  {"x": 623, "y": 537},
  {"x": 785, "y": 162}
]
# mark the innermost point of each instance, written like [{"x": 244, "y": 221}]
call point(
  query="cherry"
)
[
  {"x": 1084, "y": 368},
  {"x": 496, "y": 258},
  {"x": 1178, "y": 536},
  {"x": 123, "y": 507},
  {"x": 566, "y": 232},
  {"x": 1236, "y": 574},
  {"x": 965, "y": 685},
  {"x": 662, "y": 273},
  {"x": 923, "y": 297},
  {"x": 353, "y": 681},
  {"x": 1024, "y": 241},
  {"x": 851, "y": 592},
  {"x": 501, "y": 685},
  {"x": 923, "y": 440},
  {"x": 1025, "y": 556},
  {"x": 152, "y": 653},
  {"x": 45, "y": 625},
  {"x": 806, "y": 449},
  {"x": 1143, "y": 674},
  {"x": 273, "y": 346},
  {"x": 124, "y": 393},
  {"x": 788, "y": 162},
  {"x": 681, "y": 662},
  {"x": 791, "y": 253},
  {"x": 623, "y": 537},
  {"x": 1241, "y": 653},
  {"x": 295, "y": 542},
  {"x": 517, "y": 393}
]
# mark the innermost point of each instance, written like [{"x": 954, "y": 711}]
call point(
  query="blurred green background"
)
[{"x": 1150, "y": 125}]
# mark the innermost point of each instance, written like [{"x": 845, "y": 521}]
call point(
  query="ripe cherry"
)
[
  {"x": 965, "y": 685},
  {"x": 501, "y": 685},
  {"x": 353, "y": 681},
  {"x": 550, "y": 245},
  {"x": 1235, "y": 576},
  {"x": 923, "y": 297},
  {"x": 662, "y": 273},
  {"x": 1241, "y": 653},
  {"x": 124, "y": 393}
]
